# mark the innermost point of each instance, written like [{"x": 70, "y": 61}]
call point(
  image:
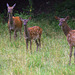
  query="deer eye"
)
[{"x": 60, "y": 22}]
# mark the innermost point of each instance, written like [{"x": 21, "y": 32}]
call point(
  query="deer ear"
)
[
  {"x": 57, "y": 18},
  {"x": 28, "y": 19},
  {"x": 67, "y": 18},
  {"x": 14, "y": 5},
  {"x": 7, "y": 5},
  {"x": 21, "y": 19}
]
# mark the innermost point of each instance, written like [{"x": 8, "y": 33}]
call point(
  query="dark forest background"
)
[{"x": 66, "y": 7}]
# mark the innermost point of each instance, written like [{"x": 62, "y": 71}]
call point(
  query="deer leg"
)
[
  {"x": 74, "y": 55},
  {"x": 39, "y": 42},
  {"x": 15, "y": 34},
  {"x": 71, "y": 48},
  {"x": 36, "y": 44},
  {"x": 20, "y": 34},
  {"x": 10, "y": 34},
  {"x": 26, "y": 44},
  {"x": 31, "y": 46}
]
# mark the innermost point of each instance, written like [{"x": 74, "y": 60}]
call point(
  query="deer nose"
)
[
  {"x": 24, "y": 24},
  {"x": 11, "y": 28},
  {"x": 60, "y": 24},
  {"x": 8, "y": 12}
]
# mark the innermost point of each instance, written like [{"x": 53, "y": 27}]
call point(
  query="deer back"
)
[
  {"x": 35, "y": 32},
  {"x": 71, "y": 37}
]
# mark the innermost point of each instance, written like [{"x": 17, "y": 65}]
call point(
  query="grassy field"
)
[{"x": 53, "y": 58}]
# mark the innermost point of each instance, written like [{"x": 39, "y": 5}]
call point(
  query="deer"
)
[
  {"x": 32, "y": 33},
  {"x": 69, "y": 33},
  {"x": 14, "y": 23}
]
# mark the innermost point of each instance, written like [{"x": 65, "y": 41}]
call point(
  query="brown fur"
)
[
  {"x": 32, "y": 33},
  {"x": 70, "y": 34},
  {"x": 17, "y": 23},
  {"x": 14, "y": 23}
]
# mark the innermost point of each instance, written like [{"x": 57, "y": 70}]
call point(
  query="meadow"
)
[{"x": 52, "y": 59}]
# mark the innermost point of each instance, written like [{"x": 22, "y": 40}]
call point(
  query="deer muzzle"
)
[
  {"x": 25, "y": 24},
  {"x": 60, "y": 24},
  {"x": 11, "y": 28}
]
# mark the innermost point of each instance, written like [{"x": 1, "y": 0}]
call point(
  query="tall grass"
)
[{"x": 52, "y": 59}]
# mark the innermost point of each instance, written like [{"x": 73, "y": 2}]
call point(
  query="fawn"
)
[
  {"x": 32, "y": 33},
  {"x": 69, "y": 33},
  {"x": 14, "y": 23}
]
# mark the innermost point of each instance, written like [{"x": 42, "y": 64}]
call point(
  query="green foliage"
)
[{"x": 65, "y": 8}]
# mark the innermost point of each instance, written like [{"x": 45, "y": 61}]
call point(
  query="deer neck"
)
[
  {"x": 26, "y": 31},
  {"x": 11, "y": 21},
  {"x": 66, "y": 29}
]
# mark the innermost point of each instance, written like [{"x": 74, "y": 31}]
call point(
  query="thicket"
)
[{"x": 63, "y": 9}]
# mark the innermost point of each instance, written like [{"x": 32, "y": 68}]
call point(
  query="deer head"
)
[
  {"x": 62, "y": 21},
  {"x": 10, "y": 9},
  {"x": 25, "y": 21}
]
